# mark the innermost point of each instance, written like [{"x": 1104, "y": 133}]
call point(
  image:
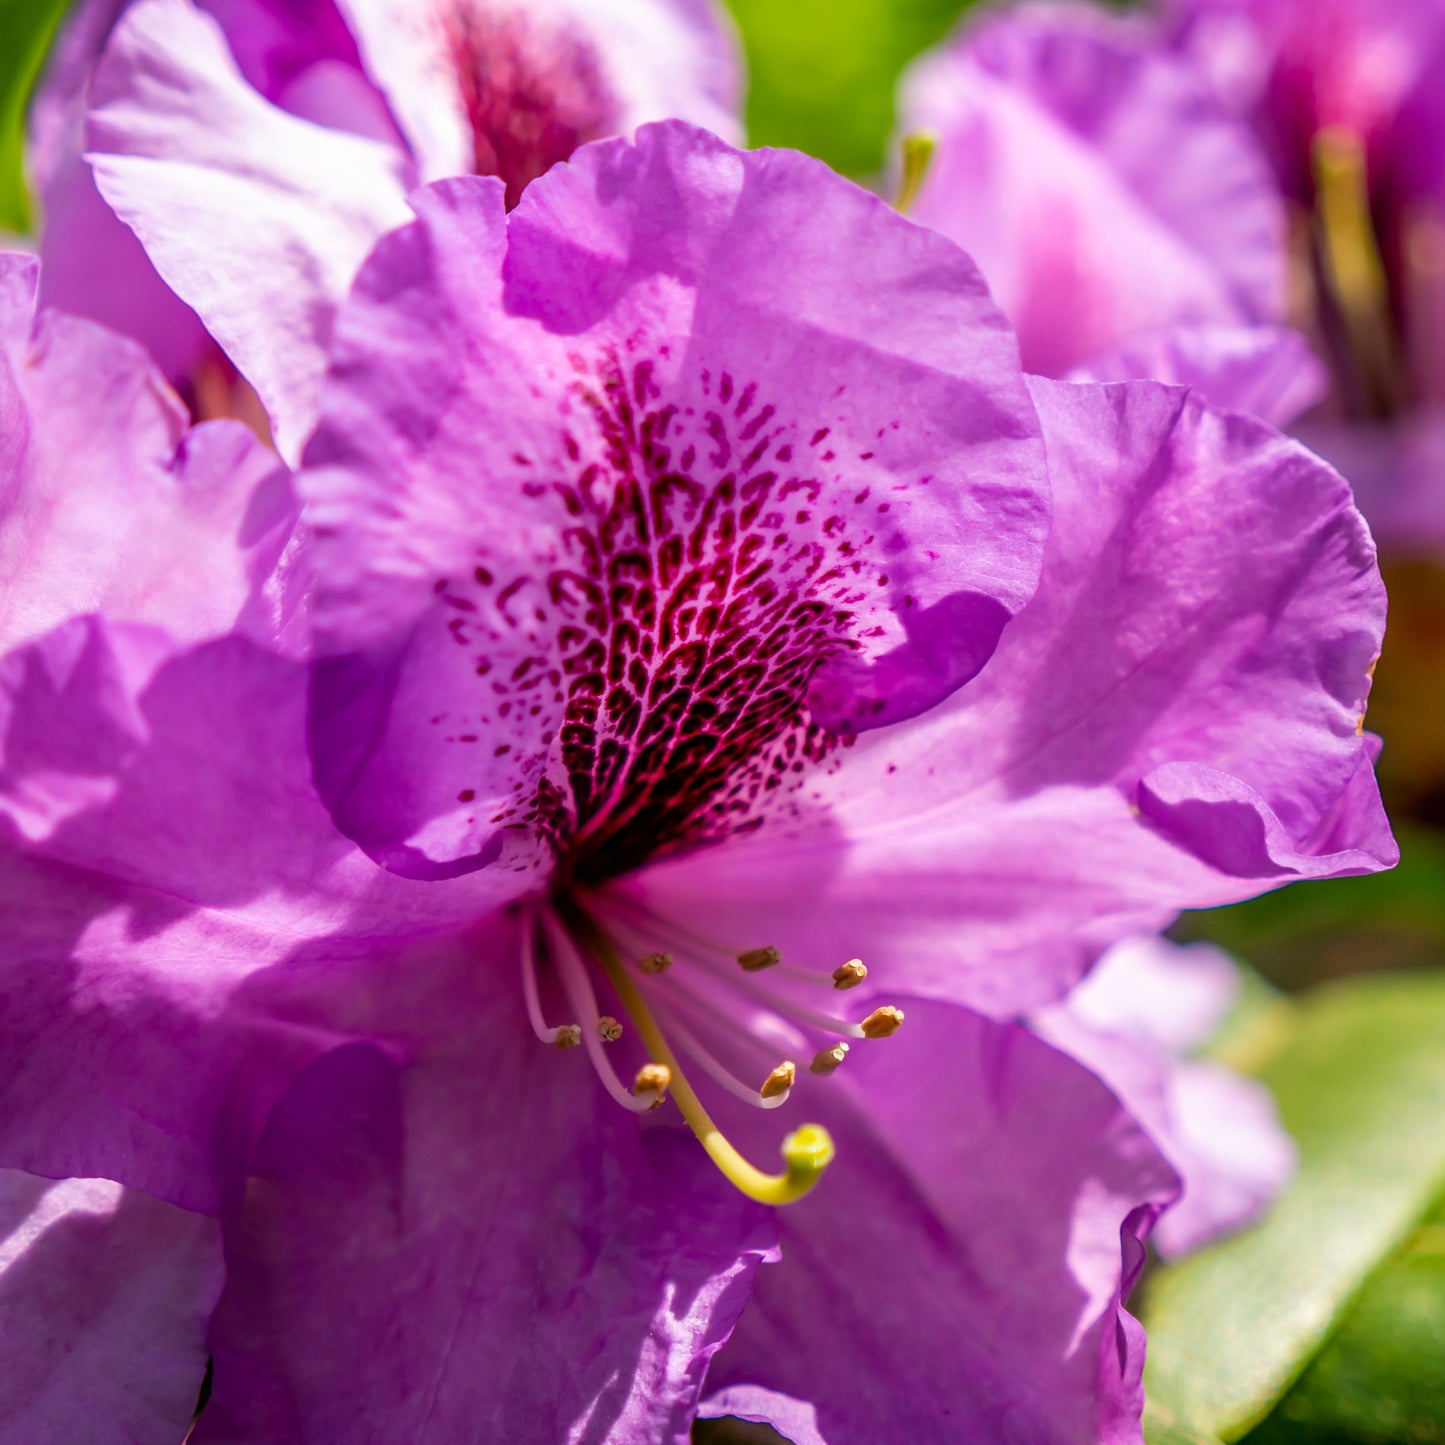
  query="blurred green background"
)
[{"x": 1324, "y": 1325}]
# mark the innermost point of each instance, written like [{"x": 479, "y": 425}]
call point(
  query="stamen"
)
[
  {"x": 1350, "y": 253},
  {"x": 653, "y": 924},
  {"x": 806, "y": 1152},
  {"x": 754, "y": 960},
  {"x": 578, "y": 988},
  {"x": 608, "y": 1029},
  {"x": 655, "y": 963},
  {"x": 777, "y": 1084},
  {"x": 826, "y": 1060},
  {"x": 850, "y": 974},
  {"x": 652, "y": 1083},
  {"x": 918, "y": 147},
  {"x": 798, "y": 1012},
  {"x": 882, "y": 1022},
  {"x": 567, "y": 1036},
  {"x": 718, "y": 1071}
]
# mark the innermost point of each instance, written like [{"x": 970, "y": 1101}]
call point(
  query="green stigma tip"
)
[{"x": 808, "y": 1151}]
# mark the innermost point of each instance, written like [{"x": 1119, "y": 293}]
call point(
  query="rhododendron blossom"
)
[
  {"x": 757, "y": 694},
  {"x": 258, "y": 151}
]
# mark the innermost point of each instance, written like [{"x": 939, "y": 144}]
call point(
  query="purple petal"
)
[
  {"x": 796, "y": 1420},
  {"x": 253, "y": 217},
  {"x": 104, "y": 1299},
  {"x": 1397, "y": 471},
  {"x": 1174, "y": 995},
  {"x": 610, "y": 336},
  {"x": 106, "y": 489},
  {"x": 482, "y": 1246},
  {"x": 186, "y": 864},
  {"x": 1128, "y": 1021},
  {"x": 959, "y": 1273},
  {"x": 574, "y": 71},
  {"x": 1173, "y": 721},
  {"x": 1066, "y": 146},
  {"x": 1267, "y": 371}
]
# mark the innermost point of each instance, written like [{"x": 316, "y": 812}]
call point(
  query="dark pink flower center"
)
[
  {"x": 532, "y": 92},
  {"x": 666, "y": 650}
]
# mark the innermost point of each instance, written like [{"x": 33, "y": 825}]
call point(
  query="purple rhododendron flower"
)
[
  {"x": 1345, "y": 97},
  {"x": 694, "y": 617},
  {"x": 1102, "y": 188},
  {"x": 1221, "y": 146},
  {"x": 257, "y": 151},
  {"x": 1134, "y": 1021}
]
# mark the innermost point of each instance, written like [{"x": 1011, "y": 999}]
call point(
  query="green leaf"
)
[
  {"x": 26, "y": 29},
  {"x": 1381, "y": 1378},
  {"x": 822, "y": 72},
  {"x": 1360, "y": 1082},
  {"x": 1161, "y": 1428},
  {"x": 1314, "y": 931}
]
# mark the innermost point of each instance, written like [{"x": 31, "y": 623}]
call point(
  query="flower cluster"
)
[{"x": 547, "y": 658}]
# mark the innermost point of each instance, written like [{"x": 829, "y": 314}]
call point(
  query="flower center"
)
[
  {"x": 674, "y": 996},
  {"x": 664, "y": 647},
  {"x": 532, "y": 92}
]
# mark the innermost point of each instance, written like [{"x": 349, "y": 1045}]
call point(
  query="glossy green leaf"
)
[
  {"x": 821, "y": 73},
  {"x": 1381, "y": 1378},
  {"x": 1161, "y": 1428},
  {"x": 1360, "y": 1082},
  {"x": 26, "y": 28}
]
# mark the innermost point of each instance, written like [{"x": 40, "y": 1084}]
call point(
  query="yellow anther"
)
[
  {"x": 917, "y": 152},
  {"x": 608, "y": 1029},
  {"x": 655, "y": 963},
  {"x": 882, "y": 1022},
  {"x": 805, "y": 1153},
  {"x": 568, "y": 1036},
  {"x": 826, "y": 1060},
  {"x": 652, "y": 1079},
  {"x": 850, "y": 974},
  {"x": 754, "y": 960},
  {"x": 780, "y": 1080}
]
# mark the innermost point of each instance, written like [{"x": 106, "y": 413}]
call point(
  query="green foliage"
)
[
  {"x": 1359, "y": 1074},
  {"x": 1381, "y": 1378},
  {"x": 1311, "y": 932},
  {"x": 1161, "y": 1428},
  {"x": 26, "y": 28},
  {"x": 822, "y": 72}
]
